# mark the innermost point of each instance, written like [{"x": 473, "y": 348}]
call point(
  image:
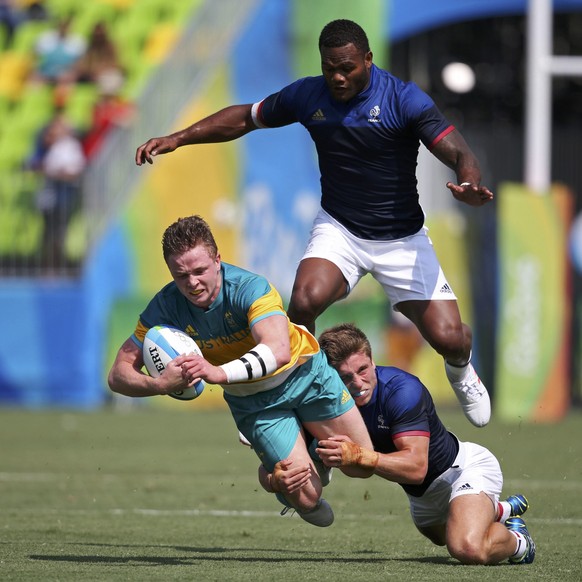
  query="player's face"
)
[
  {"x": 346, "y": 71},
  {"x": 358, "y": 373},
  {"x": 197, "y": 275}
]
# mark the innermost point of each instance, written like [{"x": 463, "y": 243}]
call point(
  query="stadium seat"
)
[
  {"x": 14, "y": 149},
  {"x": 5, "y": 105},
  {"x": 120, "y": 5},
  {"x": 64, "y": 8},
  {"x": 180, "y": 12},
  {"x": 14, "y": 70},
  {"x": 160, "y": 42},
  {"x": 138, "y": 79},
  {"x": 79, "y": 106},
  {"x": 36, "y": 105},
  {"x": 91, "y": 14},
  {"x": 26, "y": 34}
]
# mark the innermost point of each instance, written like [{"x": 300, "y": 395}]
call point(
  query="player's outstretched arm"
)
[
  {"x": 225, "y": 125},
  {"x": 407, "y": 465},
  {"x": 340, "y": 451},
  {"x": 454, "y": 152}
]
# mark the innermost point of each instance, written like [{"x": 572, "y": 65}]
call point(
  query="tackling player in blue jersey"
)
[
  {"x": 275, "y": 378},
  {"x": 453, "y": 487},
  {"x": 367, "y": 127}
]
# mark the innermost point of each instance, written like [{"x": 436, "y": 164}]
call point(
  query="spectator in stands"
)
[
  {"x": 35, "y": 9},
  {"x": 111, "y": 110},
  {"x": 62, "y": 166},
  {"x": 57, "y": 51},
  {"x": 100, "y": 58}
]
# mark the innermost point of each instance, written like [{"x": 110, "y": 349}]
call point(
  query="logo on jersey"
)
[
  {"x": 192, "y": 332},
  {"x": 465, "y": 487},
  {"x": 381, "y": 423},
  {"x": 346, "y": 396},
  {"x": 374, "y": 113},
  {"x": 229, "y": 319},
  {"x": 446, "y": 289},
  {"x": 318, "y": 116}
]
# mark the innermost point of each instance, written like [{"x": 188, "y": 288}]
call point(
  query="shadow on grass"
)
[{"x": 242, "y": 555}]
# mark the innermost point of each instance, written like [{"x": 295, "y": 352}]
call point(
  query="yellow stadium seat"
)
[
  {"x": 15, "y": 68},
  {"x": 160, "y": 41}
]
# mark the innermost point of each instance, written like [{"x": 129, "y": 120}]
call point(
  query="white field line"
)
[
  {"x": 522, "y": 484},
  {"x": 188, "y": 513},
  {"x": 512, "y": 484}
]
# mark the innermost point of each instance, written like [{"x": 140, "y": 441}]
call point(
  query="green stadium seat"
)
[
  {"x": 120, "y": 5},
  {"x": 79, "y": 106},
  {"x": 64, "y": 8},
  {"x": 14, "y": 149},
  {"x": 137, "y": 80},
  {"x": 180, "y": 12},
  {"x": 36, "y": 104},
  {"x": 26, "y": 34},
  {"x": 93, "y": 13}
]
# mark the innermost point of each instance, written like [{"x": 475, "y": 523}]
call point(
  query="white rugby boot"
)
[{"x": 471, "y": 393}]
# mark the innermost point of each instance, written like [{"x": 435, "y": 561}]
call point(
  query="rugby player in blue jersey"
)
[
  {"x": 453, "y": 487},
  {"x": 275, "y": 378},
  {"x": 367, "y": 126}
]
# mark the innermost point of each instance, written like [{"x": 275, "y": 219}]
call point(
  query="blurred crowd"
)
[{"x": 64, "y": 60}]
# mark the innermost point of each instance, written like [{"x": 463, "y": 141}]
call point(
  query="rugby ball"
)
[{"x": 160, "y": 346}]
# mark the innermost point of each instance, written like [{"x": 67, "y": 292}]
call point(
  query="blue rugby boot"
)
[
  {"x": 519, "y": 505},
  {"x": 518, "y": 525}
]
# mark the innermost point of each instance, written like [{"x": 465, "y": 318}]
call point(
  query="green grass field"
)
[{"x": 153, "y": 494}]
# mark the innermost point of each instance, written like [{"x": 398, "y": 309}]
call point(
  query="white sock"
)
[
  {"x": 457, "y": 373},
  {"x": 503, "y": 511},
  {"x": 521, "y": 547}
]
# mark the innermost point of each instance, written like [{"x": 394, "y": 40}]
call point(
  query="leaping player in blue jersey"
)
[
  {"x": 367, "y": 126},
  {"x": 275, "y": 378},
  {"x": 453, "y": 487}
]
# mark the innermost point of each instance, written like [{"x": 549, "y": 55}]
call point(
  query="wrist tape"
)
[
  {"x": 353, "y": 454},
  {"x": 256, "y": 363}
]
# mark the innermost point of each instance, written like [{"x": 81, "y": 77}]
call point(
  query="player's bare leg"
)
[
  {"x": 350, "y": 424},
  {"x": 477, "y": 539},
  {"x": 307, "y": 498},
  {"x": 440, "y": 324},
  {"x": 318, "y": 284}
]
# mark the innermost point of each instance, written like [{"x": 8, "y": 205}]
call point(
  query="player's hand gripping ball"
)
[{"x": 160, "y": 346}]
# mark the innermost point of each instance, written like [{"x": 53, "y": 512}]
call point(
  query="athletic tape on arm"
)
[{"x": 255, "y": 364}]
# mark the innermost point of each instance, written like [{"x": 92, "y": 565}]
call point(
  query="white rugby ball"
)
[{"x": 160, "y": 346}]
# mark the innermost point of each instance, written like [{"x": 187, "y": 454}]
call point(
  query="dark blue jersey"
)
[
  {"x": 367, "y": 148},
  {"x": 402, "y": 406}
]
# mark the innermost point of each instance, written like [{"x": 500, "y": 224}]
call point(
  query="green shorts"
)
[{"x": 271, "y": 420}]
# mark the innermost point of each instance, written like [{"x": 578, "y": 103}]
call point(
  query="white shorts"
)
[
  {"x": 407, "y": 268},
  {"x": 475, "y": 469}
]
